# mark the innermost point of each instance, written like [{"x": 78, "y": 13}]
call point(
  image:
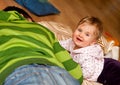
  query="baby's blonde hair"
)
[{"x": 93, "y": 21}]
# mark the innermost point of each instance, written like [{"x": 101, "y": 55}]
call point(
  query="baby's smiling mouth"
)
[{"x": 79, "y": 39}]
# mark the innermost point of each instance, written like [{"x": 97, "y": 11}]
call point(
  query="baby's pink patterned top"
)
[{"x": 90, "y": 58}]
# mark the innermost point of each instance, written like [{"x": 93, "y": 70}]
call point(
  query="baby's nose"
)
[{"x": 80, "y": 34}]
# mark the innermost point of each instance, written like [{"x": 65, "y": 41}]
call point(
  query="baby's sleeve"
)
[
  {"x": 87, "y": 63},
  {"x": 65, "y": 44}
]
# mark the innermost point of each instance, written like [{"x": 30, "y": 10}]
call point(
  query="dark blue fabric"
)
[
  {"x": 20, "y": 2},
  {"x": 39, "y": 7},
  {"x": 111, "y": 72}
]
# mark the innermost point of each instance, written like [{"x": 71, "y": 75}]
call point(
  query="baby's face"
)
[{"x": 84, "y": 35}]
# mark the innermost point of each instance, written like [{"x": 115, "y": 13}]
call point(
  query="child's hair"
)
[
  {"x": 19, "y": 10},
  {"x": 93, "y": 21}
]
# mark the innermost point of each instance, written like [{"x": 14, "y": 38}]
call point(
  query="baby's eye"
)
[
  {"x": 79, "y": 30},
  {"x": 87, "y": 34}
]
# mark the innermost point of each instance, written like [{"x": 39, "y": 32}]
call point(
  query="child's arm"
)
[
  {"x": 91, "y": 60},
  {"x": 66, "y": 44},
  {"x": 87, "y": 64}
]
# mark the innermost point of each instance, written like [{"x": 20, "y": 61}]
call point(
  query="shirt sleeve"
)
[
  {"x": 88, "y": 58},
  {"x": 87, "y": 63},
  {"x": 66, "y": 44}
]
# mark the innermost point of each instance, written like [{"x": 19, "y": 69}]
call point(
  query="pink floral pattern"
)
[{"x": 90, "y": 58}]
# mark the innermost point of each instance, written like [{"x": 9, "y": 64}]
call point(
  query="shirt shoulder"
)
[
  {"x": 93, "y": 50},
  {"x": 67, "y": 44}
]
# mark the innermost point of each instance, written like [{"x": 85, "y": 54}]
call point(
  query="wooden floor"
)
[{"x": 73, "y": 10}]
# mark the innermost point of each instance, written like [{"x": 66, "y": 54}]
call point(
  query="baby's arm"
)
[
  {"x": 66, "y": 44},
  {"x": 87, "y": 63}
]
